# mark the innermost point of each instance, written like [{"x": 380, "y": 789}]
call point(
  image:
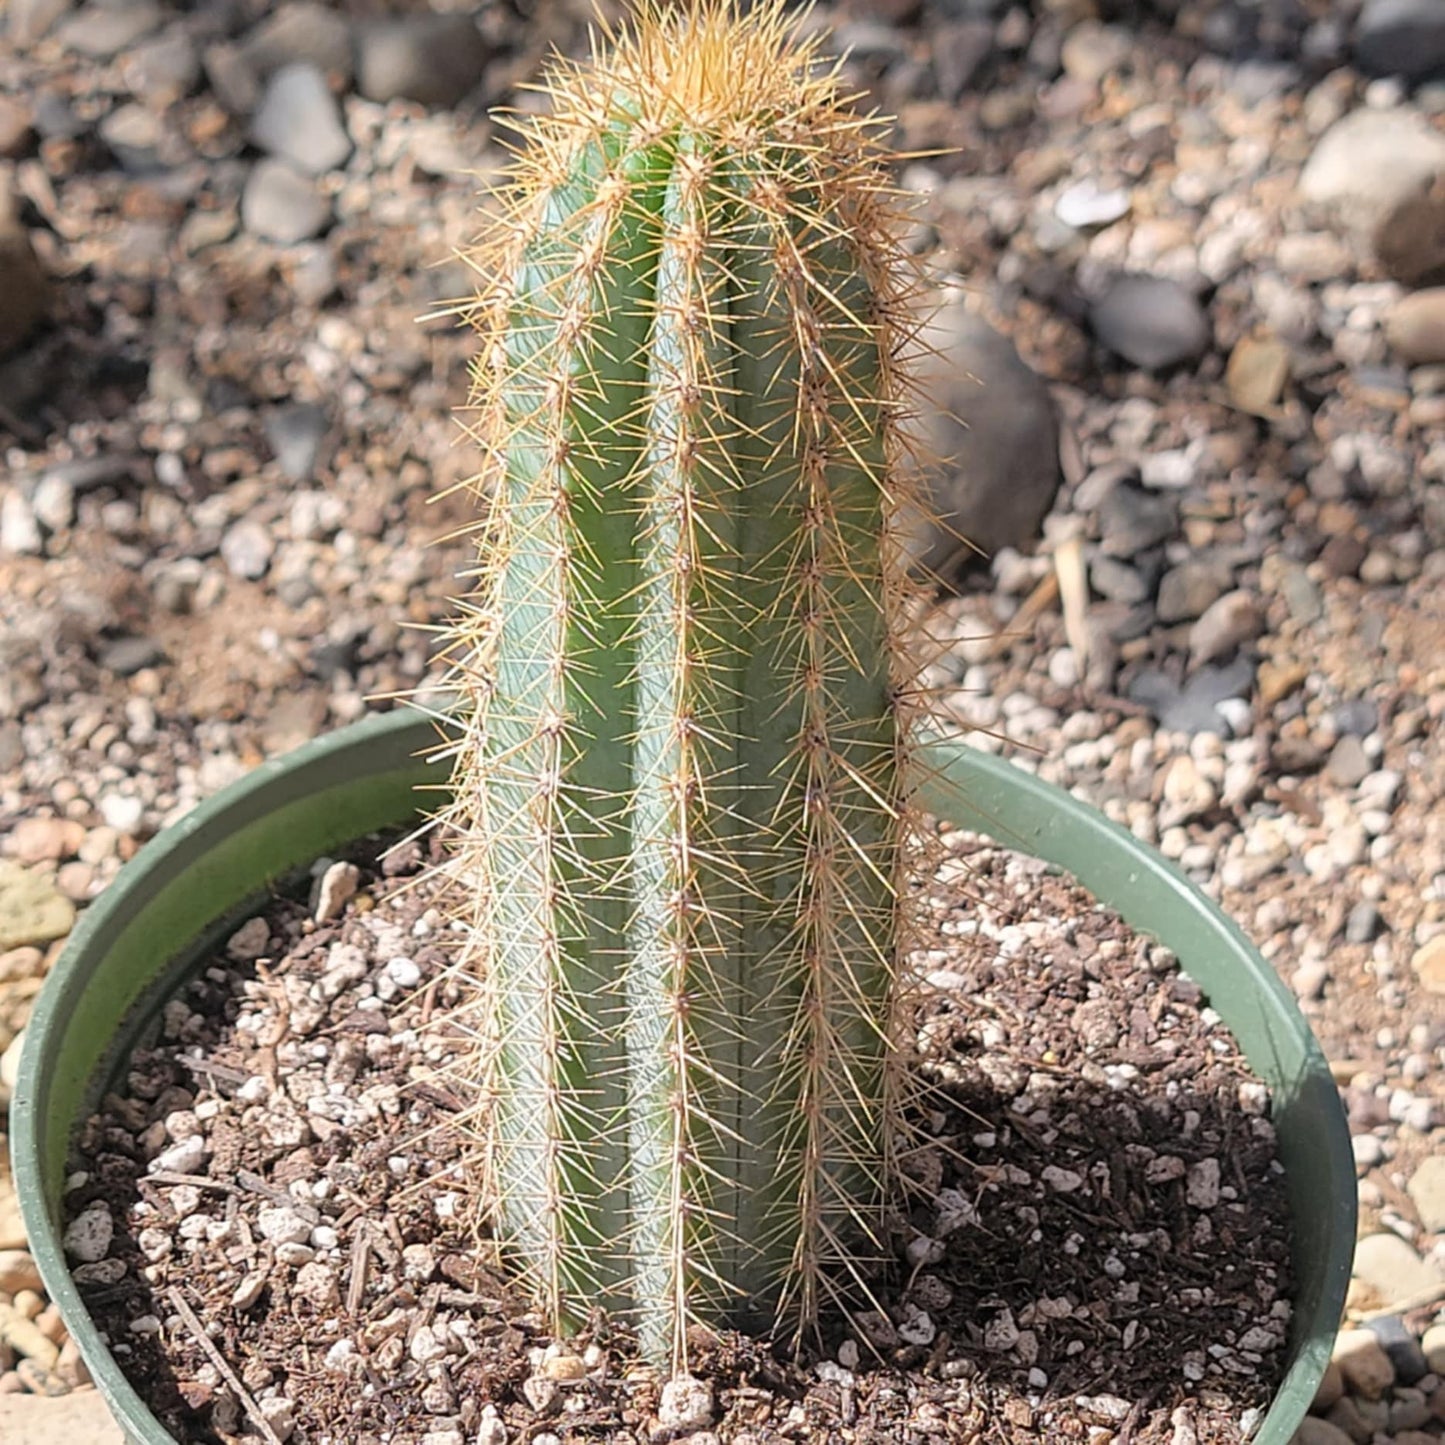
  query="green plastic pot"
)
[{"x": 185, "y": 891}]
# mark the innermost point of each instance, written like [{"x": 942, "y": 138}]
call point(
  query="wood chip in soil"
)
[{"x": 1092, "y": 1242}]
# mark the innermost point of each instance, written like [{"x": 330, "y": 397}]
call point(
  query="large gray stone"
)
[
  {"x": 280, "y": 204},
  {"x": 1393, "y": 1272},
  {"x": 991, "y": 426},
  {"x": 301, "y": 32},
  {"x": 296, "y": 433},
  {"x": 134, "y": 137},
  {"x": 101, "y": 32},
  {"x": 27, "y": 21},
  {"x": 1370, "y": 163},
  {"x": 1314, "y": 1431},
  {"x": 1150, "y": 321},
  {"x": 1415, "y": 327},
  {"x": 24, "y": 291},
  {"x": 1410, "y": 242},
  {"x": 1401, "y": 37},
  {"x": 163, "y": 69},
  {"x": 1132, "y": 521},
  {"x": 433, "y": 59},
  {"x": 298, "y": 120}
]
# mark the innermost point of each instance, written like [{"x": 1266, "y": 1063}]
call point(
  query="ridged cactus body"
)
[{"x": 678, "y": 801}]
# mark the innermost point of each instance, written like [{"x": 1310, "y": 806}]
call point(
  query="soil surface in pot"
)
[{"x": 267, "y": 1221}]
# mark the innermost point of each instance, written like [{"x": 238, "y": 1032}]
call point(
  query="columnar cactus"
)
[{"x": 678, "y": 804}]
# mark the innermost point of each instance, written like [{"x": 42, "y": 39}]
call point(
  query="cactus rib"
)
[{"x": 678, "y": 802}]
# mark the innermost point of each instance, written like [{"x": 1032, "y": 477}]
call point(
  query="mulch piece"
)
[{"x": 1093, "y": 1239}]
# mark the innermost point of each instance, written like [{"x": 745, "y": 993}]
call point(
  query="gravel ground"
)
[{"x": 1212, "y": 233}]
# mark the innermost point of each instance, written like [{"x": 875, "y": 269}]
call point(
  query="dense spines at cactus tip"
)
[{"x": 678, "y": 809}]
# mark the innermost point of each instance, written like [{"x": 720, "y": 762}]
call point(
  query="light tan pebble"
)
[
  {"x": 1360, "y": 1419},
  {"x": 12, "y": 1384},
  {"x": 185, "y": 1156},
  {"x": 1434, "y": 1347},
  {"x": 28, "y": 1303},
  {"x": 443, "y": 1437},
  {"x": 18, "y": 1271},
  {"x": 1314, "y": 1431},
  {"x": 26, "y": 1338},
  {"x": 51, "y": 1325},
  {"x": 563, "y": 1366},
  {"x": 19, "y": 964},
  {"x": 82, "y": 1416},
  {"x": 1427, "y": 1192},
  {"x": 1331, "y": 1387},
  {"x": 1364, "y": 1365},
  {"x": 40, "y": 1380},
  {"x": 76, "y": 880},
  {"x": 687, "y": 1403},
  {"x": 338, "y": 886},
  {"x": 1408, "y": 1409},
  {"x": 1392, "y": 1271},
  {"x": 100, "y": 844},
  {"x": 1428, "y": 962},
  {"x": 45, "y": 840},
  {"x": 70, "y": 1367}
]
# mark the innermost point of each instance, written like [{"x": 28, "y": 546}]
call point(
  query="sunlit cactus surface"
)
[{"x": 678, "y": 815}]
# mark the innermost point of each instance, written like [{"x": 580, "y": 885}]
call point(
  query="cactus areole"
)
[{"x": 677, "y": 810}]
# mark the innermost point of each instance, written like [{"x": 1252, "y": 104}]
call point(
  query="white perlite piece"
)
[
  {"x": 1061, "y": 1181},
  {"x": 283, "y": 1226},
  {"x": 425, "y": 1346},
  {"x": 1201, "y": 1187},
  {"x": 917, "y": 1327},
  {"x": 686, "y": 1404},
  {"x": 87, "y": 1239},
  {"x": 280, "y": 1414},
  {"x": 403, "y": 971},
  {"x": 338, "y": 886},
  {"x": 1001, "y": 1333},
  {"x": 185, "y": 1156},
  {"x": 490, "y": 1429}
]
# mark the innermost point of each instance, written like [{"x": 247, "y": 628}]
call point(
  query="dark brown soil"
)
[{"x": 1093, "y": 1245}]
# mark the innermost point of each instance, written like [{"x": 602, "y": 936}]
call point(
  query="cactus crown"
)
[{"x": 678, "y": 807}]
